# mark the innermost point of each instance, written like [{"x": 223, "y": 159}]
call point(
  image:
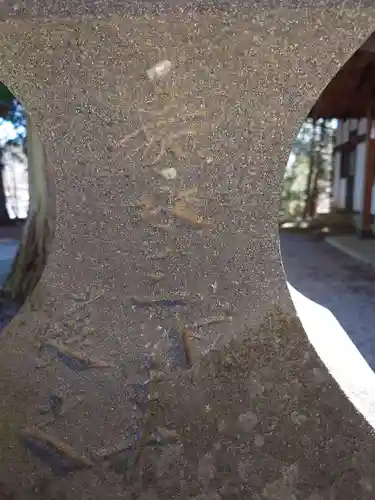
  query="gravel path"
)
[{"x": 338, "y": 283}]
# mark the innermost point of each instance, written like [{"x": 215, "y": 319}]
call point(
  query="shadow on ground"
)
[{"x": 335, "y": 281}]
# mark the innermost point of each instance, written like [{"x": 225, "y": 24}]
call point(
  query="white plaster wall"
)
[
  {"x": 16, "y": 181},
  {"x": 353, "y": 124},
  {"x": 345, "y": 132},
  {"x": 336, "y": 176},
  {"x": 342, "y": 193},
  {"x": 359, "y": 176},
  {"x": 339, "y": 133},
  {"x": 362, "y": 126}
]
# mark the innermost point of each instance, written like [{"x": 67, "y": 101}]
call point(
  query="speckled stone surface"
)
[{"x": 139, "y": 405}]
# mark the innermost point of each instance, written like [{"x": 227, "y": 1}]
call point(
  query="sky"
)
[{"x": 8, "y": 132}]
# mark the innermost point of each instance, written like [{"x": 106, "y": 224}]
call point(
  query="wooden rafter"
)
[{"x": 352, "y": 90}]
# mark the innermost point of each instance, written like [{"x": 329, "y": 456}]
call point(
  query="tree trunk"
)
[
  {"x": 319, "y": 171},
  {"x": 312, "y": 158},
  {"x": 31, "y": 258}
]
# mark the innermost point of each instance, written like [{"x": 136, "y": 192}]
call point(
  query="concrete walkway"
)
[{"x": 360, "y": 249}]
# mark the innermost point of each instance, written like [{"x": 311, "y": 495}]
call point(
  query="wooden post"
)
[
  {"x": 365, "y": 225},
  {"x": 319, "y": 170},
  {"x": 312, "y": 158},
  {"x": 332, "y": 163}
]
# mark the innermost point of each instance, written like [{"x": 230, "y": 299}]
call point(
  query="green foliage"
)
[
  {"x": 311, "y": 143},
  {"x": 6, "y": 95}
]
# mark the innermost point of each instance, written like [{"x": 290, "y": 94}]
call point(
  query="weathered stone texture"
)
[{"x": 149, "y": 276}]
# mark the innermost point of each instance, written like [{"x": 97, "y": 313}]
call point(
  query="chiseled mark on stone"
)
[
  {"x": 213, "y": 320},
  {"x": 188, "y": 343},
  {"x": 248, "y": 420},
  {"x": 298, "y": 418},
  {"x": 244, "y": 470},
  {"x": 106, "y": 453},
  {"x": 259, "y": 440},
  {"x": 156, "y": 276},
  {"x": 206, "y": 469},
  {"x": 75, "y": 360},
  {"x": 187, "y": 215},
  {"x": 164, "y": 301},
  {"x": 283, "y": 488},
  {"x": 159, "y": 70},
  {"x": 60, "y": 457},
  {"x": 166, "y": 253},
  {"x": 176, "y": 348},
  {"x": 169, "y": 173}
]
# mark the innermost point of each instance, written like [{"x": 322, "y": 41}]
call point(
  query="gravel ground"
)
[{"x": 336, "y": 282}]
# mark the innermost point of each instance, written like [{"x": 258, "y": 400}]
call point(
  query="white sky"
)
[{"x": 7, "y": 132}]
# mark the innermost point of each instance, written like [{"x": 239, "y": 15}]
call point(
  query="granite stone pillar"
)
[{"x": 165, "y": 358}]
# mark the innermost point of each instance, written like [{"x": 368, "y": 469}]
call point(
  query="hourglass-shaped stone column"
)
[{"x": 164, "y": 358}]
